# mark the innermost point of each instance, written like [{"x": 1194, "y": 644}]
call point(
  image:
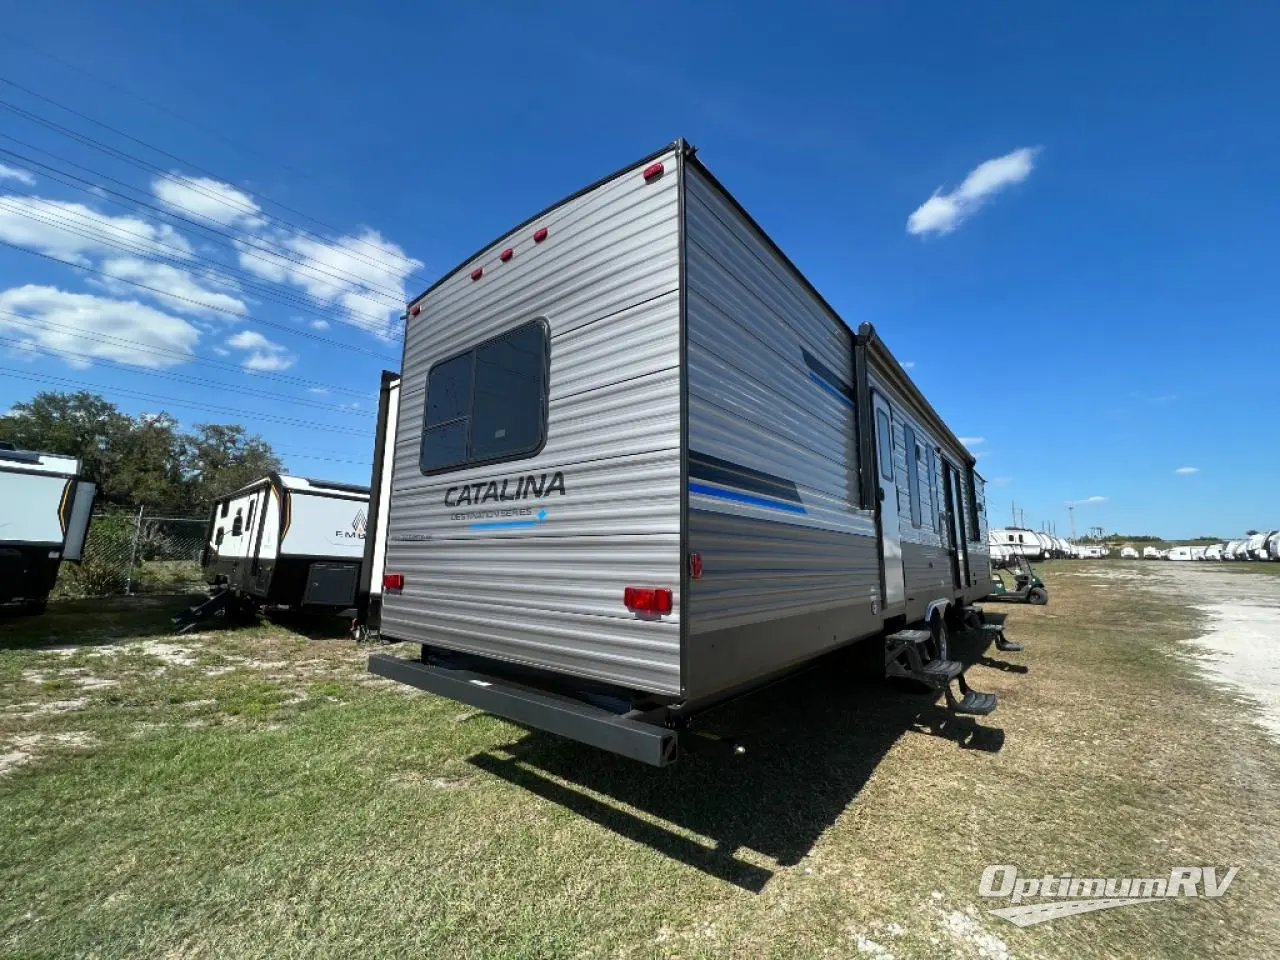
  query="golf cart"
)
[{"x": 1026, "y": 586}]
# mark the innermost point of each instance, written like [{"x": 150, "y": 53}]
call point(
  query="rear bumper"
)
[{"x": 540, "y": 709}]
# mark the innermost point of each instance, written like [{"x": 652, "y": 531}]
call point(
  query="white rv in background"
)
[
  {"x": 1214, "y": 551},
  {"x": 637, "y": 466},
  {"x": 1128, "y": 553},
  {"x": 287, "y": 541},
  {"x": 1180, "y": 553},
  {"x": 1150, "y": 553},
  {"x": 1020, "y": 540},
  {"x": 1257, "y": 545},
  {"x": 44, "y": 518},
  {"x": 1197, "y": 553}
]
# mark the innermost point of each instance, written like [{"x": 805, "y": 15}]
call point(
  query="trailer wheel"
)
[
  {"x": 941, "y": 635},
  {"x": 1039, "y": 596}
]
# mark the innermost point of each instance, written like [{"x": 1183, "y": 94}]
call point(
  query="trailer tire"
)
[
  {"x": 1039, "y": 596},
  {"x": 941, "y": 635}
]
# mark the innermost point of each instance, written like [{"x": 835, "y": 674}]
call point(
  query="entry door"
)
[
  {"x": 895, "y": 589},
  {"x": 955, "y": 525}
]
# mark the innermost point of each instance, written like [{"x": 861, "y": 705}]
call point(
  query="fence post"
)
[{"x": 133, "y": 554}]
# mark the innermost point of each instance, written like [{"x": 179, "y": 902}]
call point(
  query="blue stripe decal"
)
[
  {"x": 831, "y": 389},
  {"x": 504, "y": 524},
  {"x": 746, "y": 498}
]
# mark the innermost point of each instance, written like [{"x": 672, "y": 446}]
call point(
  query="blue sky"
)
[{"x": 1098, "y": 305}]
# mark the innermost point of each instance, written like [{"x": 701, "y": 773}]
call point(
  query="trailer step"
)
[
  {"x": 970, "y": 701},
  {"x": 941, "y": 671},
  {"x": 903, "y": 637},
  {"x": 1002, "y": 642}
]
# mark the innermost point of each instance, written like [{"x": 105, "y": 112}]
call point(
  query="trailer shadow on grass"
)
[{"x": 813, "y": 741}]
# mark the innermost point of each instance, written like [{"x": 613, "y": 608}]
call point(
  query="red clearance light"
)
[
  {"x": 646, "y": 600},
  {"x": 540, "y": 234},
  {"x": 506, "y": 255},
  {"x": 393, "y": 581},
  {"x": 653, "y": 171},
  {"x": 695, "y": 566},
  {"x": 415, "y": 311},
  {"x": 477, "y": 273}
]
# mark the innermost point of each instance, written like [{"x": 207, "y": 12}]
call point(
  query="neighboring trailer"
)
[
  {"x": 44, "y": 517},
  {"x": 1023, "y": 541},
  {"x": 1214, "y": 551},
  {"x": 1256, "y": 547},
  {"x": 638, "y": 465},
  {"x": 1273, "y": 546},
  {"x": 1151, "y": 553},
  {"x": 1128, "y": 553},
  {"x": 1180, "y": 553},
  {"x": 289, "y": 542}
]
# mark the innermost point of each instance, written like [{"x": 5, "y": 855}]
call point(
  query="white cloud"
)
[
  {"x": 1184, "y": 471},
  {"x": 319, "y": 324},
  {"x": 265, "y": 356},
  {"x": 210, "y": 200},
  {"x": 81, "y": 314},
  {"x": 13, "y": 173},
  {"x": 41, "y": 224},
  {"x": 943, "y": 212},
  {"x": 1086, "y": 501},
  {"x": 170, "y": 280},
  {"x": 908, "y": 365},
  {"x": 319, "y": 390},
  {"x": 372, "y": 299},
  {"x": 972, "y": 441}
]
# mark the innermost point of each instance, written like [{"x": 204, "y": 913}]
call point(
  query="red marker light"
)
[
  {"x": 653, "y": 171},
  {"x": 695, "y": 566},
  {"x": 477, "y": 273},
  {"x": 646, "y": 600},
  {"x": 393, "y": 581},
  {"x": 540, "y": 234},
  {"x": 415, "y": 311},
  {"x": 506, "y": 255}
]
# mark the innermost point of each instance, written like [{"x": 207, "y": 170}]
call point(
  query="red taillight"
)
[
  {"x": 393, "y": 581},
  {"x": 506, "y": 255},
  {"x": 695, "y": 566},
  {"x": 646, "y": 600},
  {"x": 540, "y": 234},
  {"x": 653, "y": 171},
  {"x": 415, "y": 311},
  {"x": 477, "y": 273}
]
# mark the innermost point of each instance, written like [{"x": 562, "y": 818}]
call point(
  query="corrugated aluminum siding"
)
[
  {"x": 757, "y": 402},
  {"x": 607, "y": 281}
]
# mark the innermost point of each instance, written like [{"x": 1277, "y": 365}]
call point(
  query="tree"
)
[
  {"x": 143, "y": 461},
  {"x": 220, "y": 459}
]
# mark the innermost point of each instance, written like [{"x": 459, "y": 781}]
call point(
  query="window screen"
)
[
  {"x": 489, "y": 403},
  {"x": 884, "y": 440},
  {"x": 913, "y": 473}
]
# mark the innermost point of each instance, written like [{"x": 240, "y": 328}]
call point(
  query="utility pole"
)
[
  {"x": 1013, "y": 513},
  {"x": 1071, "y": 512}
]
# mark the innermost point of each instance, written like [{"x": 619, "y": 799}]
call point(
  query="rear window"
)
[{"x": 489, "y": 403}]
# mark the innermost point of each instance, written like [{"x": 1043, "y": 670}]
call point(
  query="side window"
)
[
  {"x": 884, "y": 443},
  {"x": 226, "y": 505},
  {"x": 237, "y": 525},
  {"x": 489, "y": 403},
  {"x": 217, "y": 540},
  {"x": 249, "y": 522},
  {"x": 913, "y": 472},
  {"x": 934, "y": 493},
  {"x": 1020, "y": 540}
]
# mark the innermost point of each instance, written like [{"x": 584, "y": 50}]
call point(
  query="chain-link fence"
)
[{"x": 135, "y": 553}]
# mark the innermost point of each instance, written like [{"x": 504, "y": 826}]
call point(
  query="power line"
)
[
  {"x": 184, "y": 378},
  {"x": 198, "y": 303},
  {"x": 163, "y": 352},
  {"x": 274, "y": 253},
  {"x": 154, "y": 398},
  {"x": 178, "y": 178}
]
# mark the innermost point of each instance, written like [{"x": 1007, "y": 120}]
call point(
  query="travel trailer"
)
[
  {"x": 1214, "y": 551},
  {"x": 285, "y": 541},
  {"x": 637, "y": 466},
  {"x": 1128, "y": 553},
  {"x": 1197, "y": 553},
  {"x": 1232, "y": 550},
  {"x": 1256, "y": 546},
  {"x": 44, "y": 518},
  {"x": 1179, "y": 553},
  {"x": 1150, "y": 553},
  {"x": 1025, "y": 542},
  {"x": 1273, "y": 546}
]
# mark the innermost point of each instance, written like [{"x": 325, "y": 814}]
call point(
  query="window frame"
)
[
  {"x": 883, "y": 415},
  {"x": 913, "y": 474},
  {"x": 473, "y": 350}
]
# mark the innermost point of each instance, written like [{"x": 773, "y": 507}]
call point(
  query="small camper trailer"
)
[
  {"x": 285, "y": 541},
  {"x": 44, "y": 519},
  {"x": 1180, "y": 553},
  {"x": 1150, "y": 553},
  {"x": 636, "y": 465},
  {"x": 1273, "y": 546},
  {"x": 1214, "y": 551},
  {"x": 1255, "y": 547},
  {"x": 1128, "y": 553},
  {"x": 1020, "y": 540}
]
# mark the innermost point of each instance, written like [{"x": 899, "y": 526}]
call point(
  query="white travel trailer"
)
[
  {"x": 1273, "y": 546},
  {"x": 1214, "y": 551},
  {"x": 1023, "y": 541},
  {"x": 1232, "y": 550},
  {"x": 1151, "y": 553},
  {"x": 637, "y": 466},
  {"x": 1256, "y": 546},
  {"x": 44, "y": 519},
  {"x": 1180, "y": 553},
  {"x": 1197, "y": 553},
  {"x": 285, "y": 541},
  {"x": 1128, "y": 553}
]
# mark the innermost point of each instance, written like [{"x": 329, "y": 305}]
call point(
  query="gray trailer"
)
[
  {"x": 45, "y": 509},
  {"x": 634, "y": 465}
]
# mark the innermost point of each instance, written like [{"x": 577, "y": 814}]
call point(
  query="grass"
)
[{"x": 255, "y": 793}]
